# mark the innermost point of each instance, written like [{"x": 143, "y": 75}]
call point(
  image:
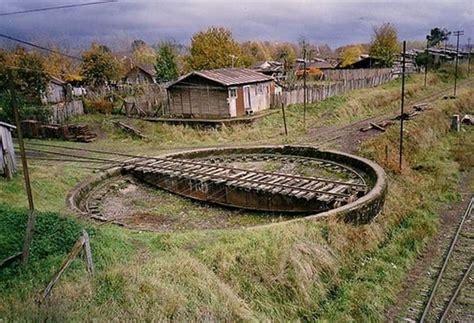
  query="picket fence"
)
[
  {"x": 62, "y": 111},
  {"x": 316, "y": 93}
]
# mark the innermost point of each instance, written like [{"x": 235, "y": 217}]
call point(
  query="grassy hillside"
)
[{"x": 298, "y": 271}]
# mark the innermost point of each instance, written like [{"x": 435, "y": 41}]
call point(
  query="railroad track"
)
[
  {"x": 338, "y": 186},
  {"x": 326, "y": 190},
  {"x": 454, "y": 278},
  {"x": 334, "y": 134}
]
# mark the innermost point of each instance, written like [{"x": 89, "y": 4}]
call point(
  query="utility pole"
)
[
  {"x": 457, "y": 34},
  {"x": 304, "y": 82},
  {"x": 427, "y": 59},
  {"x": 31, "y": 216},
  {"x": 402, "y": 113},
  {"x": 469, "y": 57}
]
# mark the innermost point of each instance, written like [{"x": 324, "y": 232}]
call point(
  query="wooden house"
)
[
  {"x": 55, "y": 91},
  {"x": 271, "y": 68},
  {"x": 7, "y": 152},
  {"x": 140, "y": 75},
  {"x": 365, "y": 61},
  {"x": 220, "y": 93}
]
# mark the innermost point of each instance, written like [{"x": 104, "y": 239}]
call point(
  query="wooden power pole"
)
[
  {"x": 402, "y": 112},
  {"x": 457, "y": 34},
  {"x": 31, "y": 216},
  {"x": 304, "y": 82}
]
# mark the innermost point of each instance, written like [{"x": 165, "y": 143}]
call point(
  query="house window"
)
[{"x": 232, "y": 92}]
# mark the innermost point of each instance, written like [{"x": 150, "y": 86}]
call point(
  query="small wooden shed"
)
[
  {"x": 140, "y": 75},
  {"x": 7, "y": 151},
  {"x": 55, "y": 91},
  {"x": 220, "y": 93}
]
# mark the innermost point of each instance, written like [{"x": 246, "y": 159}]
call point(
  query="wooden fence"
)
[
  {"x": 150, "y": 102},
  {"x": 62, "y": 111},
  {"x": 354, "y": 74},
  {"x": 321, "y": 92}
]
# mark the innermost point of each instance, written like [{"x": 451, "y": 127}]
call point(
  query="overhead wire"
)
[
  {"x": 74, "y": 5},
  {"x": 38, "y": 46}
]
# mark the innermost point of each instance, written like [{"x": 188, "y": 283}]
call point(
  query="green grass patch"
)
[{"x": 301, "y": 271}]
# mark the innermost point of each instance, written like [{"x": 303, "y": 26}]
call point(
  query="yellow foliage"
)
[{"x": 350, "y": 55}]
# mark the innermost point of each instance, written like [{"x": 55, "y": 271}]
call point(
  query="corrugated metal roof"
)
[
  {"x": 229, "y": 76},
  {"x": 7, "y": 125},
  {"x": 234, "y": 76}
]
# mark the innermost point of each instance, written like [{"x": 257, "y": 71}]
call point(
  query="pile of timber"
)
[
  {"x": 72, "y": 132},
  {"x": 129, "y": 129},
  {"x": 381, "y": 126},
  {"x": 81, "y": 132}
]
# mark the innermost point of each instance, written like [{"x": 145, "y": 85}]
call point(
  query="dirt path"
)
[
  {"x": 422, "y": 274},
  {"x": 349, "y": 137}
]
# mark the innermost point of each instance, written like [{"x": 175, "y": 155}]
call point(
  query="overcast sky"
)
[{"x": 333, "y": 22}]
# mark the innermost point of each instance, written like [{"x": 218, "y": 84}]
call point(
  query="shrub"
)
[
  {"x": 53, "y": 234},
  {"x": 99, "y": 106}
]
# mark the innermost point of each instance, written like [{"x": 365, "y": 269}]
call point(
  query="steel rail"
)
[
  {"x": 429, "y": 97},
  {"x": 64, "y": 160},
  {"x": 237, "y": 179},
  {"x": 456, "y": 293},
  {"x": 204, "y": 164},
  {"x": 302, "y": 158},
  {"x": 181, "y": 170},
  {"x": 446, "y": 260}
]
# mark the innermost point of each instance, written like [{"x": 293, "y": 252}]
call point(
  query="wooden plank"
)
[
  {"x": 376, "y": 126},
  {"x": 88, "y": 253},
  {"x": 76, "y": 249}
]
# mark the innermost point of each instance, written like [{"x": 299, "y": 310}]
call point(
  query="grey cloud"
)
[{"x": 333, "y": 22}]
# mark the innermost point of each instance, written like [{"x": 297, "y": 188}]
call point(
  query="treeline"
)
[{"x": 209, "y": 49}]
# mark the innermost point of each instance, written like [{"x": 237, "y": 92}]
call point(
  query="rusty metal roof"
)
[{"x": 229, "y": 76}]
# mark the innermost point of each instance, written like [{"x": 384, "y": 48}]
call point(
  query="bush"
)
[
  {"x": 53, "y": 234},
  {"x": 98, "y": 106},
  {"x": 26, "y": 111}
]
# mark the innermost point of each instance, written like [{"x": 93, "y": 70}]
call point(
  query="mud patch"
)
[{"x": 127, "y": 202}]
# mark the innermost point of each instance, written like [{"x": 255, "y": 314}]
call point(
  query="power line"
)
[
  {"x": 75, "y": 5},
  {"x": 38, "y": 46}
]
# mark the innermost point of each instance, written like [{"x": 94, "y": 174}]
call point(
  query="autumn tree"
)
[
  {"x": 437, "y": 35},
  {"x": 26, "y": 73},
  {"x": 99, "y": 66},
  {"x": 166, "y": 62},
  {"x": 350, "y": 55},
  {"x": 384, "y": 46},
  {"x": 60, "y": 66},
  {"x": 142, "y": 53},
  {"x": 286, "y": 54},
  {"x": 213, "y": 48},
  {"x": 254, "y": 51}
]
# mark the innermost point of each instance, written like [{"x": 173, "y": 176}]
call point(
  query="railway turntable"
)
[
  {"x": 249, "y": 185},
  {"x": 282, "y": 179}
]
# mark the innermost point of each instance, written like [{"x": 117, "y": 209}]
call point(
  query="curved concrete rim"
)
[{"x": 379, "y": 188}]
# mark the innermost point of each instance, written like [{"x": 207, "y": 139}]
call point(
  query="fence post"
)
[{"x": 284, "y": 119}]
